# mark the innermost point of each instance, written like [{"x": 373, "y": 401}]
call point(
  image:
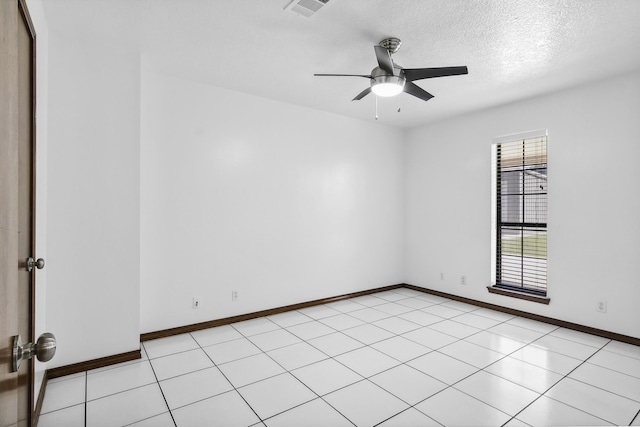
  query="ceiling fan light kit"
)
[
  {"x": 387, "y": 89},
  {"x": 389, "y": 79},
  {"x": 385, "y": 84}
]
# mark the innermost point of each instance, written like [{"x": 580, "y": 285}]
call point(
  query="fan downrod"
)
[{"x": 392, "y": 44}]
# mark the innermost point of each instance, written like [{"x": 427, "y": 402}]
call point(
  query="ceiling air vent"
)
[{"x": 306, "y": 8}]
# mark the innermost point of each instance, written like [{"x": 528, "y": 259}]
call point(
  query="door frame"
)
[
  {"x": 19, "y": 386},
  {"x": 26, "y": 17}
]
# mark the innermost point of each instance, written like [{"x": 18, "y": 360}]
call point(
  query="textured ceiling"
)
[{"x": 514, "y": 49}]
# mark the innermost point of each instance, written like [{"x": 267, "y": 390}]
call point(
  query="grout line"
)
[
  {"x": 161, "y": 391},
  {"x": 480, "y": 369},
  {"x": 368, "y": 379},
  {"x": 448, "y": 386},
  {"x": 357, "y": 373},
  {"x": 405, "y": 410},
  {"x": 319, "y": 321},
  {"x": 563, "y": 378},
  {"x": 600, "y": 388},
  {"x": 234, "y": 388},
  {"x": 86, "y": 395}
]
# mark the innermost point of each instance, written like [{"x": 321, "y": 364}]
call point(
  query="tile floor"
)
[{"x": 395, "y": 358}]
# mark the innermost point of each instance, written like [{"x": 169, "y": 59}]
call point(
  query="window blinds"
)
[{"x": 521, "y": 205}]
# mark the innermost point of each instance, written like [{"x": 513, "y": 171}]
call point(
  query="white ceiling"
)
[{"x": 514, "y": 49}]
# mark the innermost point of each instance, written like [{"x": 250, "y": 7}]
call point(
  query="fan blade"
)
[
  {"x": 412, "y": 74},
  {"x": 384, "y": 59},
  {"x": 362, "y": 94},
  {"x": 418, "y": 92},
  {"x": 343, "y": 75}
]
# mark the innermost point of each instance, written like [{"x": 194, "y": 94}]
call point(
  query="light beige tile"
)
[
  {"x": 72, "y": 416},
  {"x": 126, "y": 407},
  {"x": 446, "y": 408},
  {"x": 276, "y": 394},
  {"x": 162, "y": 420},
  {"x": 274, "y": 339},
  {"x": 497, "y": 392},
  {"x": 368, "y": 333},
  {"x": 408, "y": 384},
  {"x": 443, "y": 367},
  {"x": 365, "y": 404},
  {"x": 231, "y": 350},
  {"x": 227, "y": 409},
  {"x": 527, "y": 375},
  {"x": 316, "y": 413},
  {"x": 195, "y": 386},
  {"x": 180, "y": 363},
  {"x": 335, "y": 344},
  {"x": 250, "y": 369},
  {"x": 550, "y": 412},
  {"x": 170, "y": 345},
  {"x": 606, "y": 379},
  {"x": 367, "y": 361},
  {"x": 410, "y": 417},
  {"x": 600, "y": 403},
  {"x": 401, "y": 348},
  {"x": 217, "y": 335},
  {"x": 555, "y": 362},
  {"x": 495, "y": 342},
  {"x": 326, "y": 376},
  {"x": 430, "y": 338},
  {"x": 104, "y": 383},
  {"x": 297, "y": 355},
  {"x": 472, "y": 354},
  {"x": 64, "y": 392}
]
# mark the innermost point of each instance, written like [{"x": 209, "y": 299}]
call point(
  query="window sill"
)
[{"x": 519, "y": 295}]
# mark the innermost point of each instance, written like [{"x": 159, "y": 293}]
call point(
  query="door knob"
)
[
  {"x": 30, "y": 263},
  {"x": 44, "y": 349}
]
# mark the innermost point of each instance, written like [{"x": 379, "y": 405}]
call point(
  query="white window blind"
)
[{"x": 520, "y": 214}]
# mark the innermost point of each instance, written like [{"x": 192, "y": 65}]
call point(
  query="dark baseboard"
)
[
  {"x": 75, "y": 368},
  {"x": 228, "y": 320},
  {"x": 562, "y": 323},
  {"x": 101, "y": 362},
  {"x": 133, "y": 355},
  {"x": 38, "y": 408},
  {"x": 225, "y": 321}
]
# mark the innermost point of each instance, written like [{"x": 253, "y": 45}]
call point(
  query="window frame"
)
[{"x": 519, "y": 290}]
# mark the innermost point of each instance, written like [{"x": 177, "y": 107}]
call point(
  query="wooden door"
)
[{"x": 17, "y": 44}]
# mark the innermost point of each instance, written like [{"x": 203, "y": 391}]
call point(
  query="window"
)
[{"x": 519, "y": 241}]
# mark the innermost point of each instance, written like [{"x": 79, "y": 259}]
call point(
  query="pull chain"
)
[{"x": 376, "y": 107}]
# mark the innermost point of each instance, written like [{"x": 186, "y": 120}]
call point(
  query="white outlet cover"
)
[{"x": 602, "y": 306}]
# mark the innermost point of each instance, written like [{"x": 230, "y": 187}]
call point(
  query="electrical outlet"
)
[
  {"x": 196, "y": 302},
  {"x": 441, "y": 276},
  {"x": 463, "y": 280},
  {"x": 602, "y": 306},
  {"x": 234, "y": 295}
]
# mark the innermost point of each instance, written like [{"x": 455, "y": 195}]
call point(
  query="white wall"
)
[
  {"x": 160, "y": 189},
  {"x": 594, "y": 202},
  {"x": 93, "y": 227},
  {"x": 281, "y": 203}
]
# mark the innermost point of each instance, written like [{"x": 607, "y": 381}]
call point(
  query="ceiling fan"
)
[{"x": 390, "y": 79}]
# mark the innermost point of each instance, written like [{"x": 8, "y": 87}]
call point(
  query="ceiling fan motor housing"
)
[
  {"x": 384, "y": 83},
  {"x": 392, "y": 44}
]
